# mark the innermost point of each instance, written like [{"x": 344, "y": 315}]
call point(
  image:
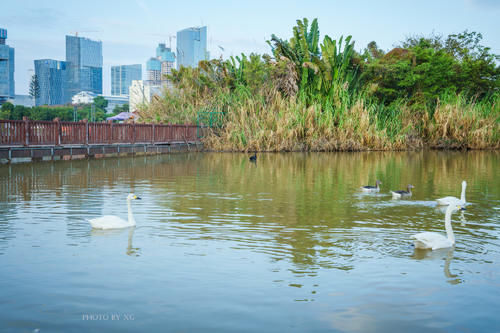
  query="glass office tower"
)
[
  {"x": 122, "y": 76},
  {"x": 191, "y": 46},
  {"x": 7, "y": 89},
  {"x": 52, "y": 78},
  {"x": 84, "y": 62}
]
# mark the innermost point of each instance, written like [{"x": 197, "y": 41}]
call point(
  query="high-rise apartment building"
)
[
  {"x": 84, "y": 61},
  {"x": 165, "y": 53},
  {"x": 167, "y": 58},
  {"x": 7, "y": 89},
  {"x": 153, "y": 70},
  {"x": 191, "y": 46},
  {"x": 122, "y": 77},
  {"x": 52, "y": 78}
]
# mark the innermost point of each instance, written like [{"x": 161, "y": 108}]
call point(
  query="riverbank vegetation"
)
[{"x": 324, "y": 96}]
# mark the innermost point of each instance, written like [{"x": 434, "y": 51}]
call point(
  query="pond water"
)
[{"x": 287, "y": 244}]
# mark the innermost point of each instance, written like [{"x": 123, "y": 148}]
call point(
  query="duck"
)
[
  {"x": 454, "y": 200},
  {"x": 402, "y": 194},
  {"x": 433, "y": 240},
  {"x": 369, "y": 188},
  {"x": 115, "y": 222},
  {"x": 253, "y": 158}
]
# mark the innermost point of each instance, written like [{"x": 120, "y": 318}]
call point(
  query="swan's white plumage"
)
[
  {"x": 115, "y": 222},
  {"x": 109, "y": 222},
  {"x": 434, "y": 241},
  {"x": 446, "y": 201},
  {"x": 453, "y": 200},
  {"x": 431, "y": 240}
]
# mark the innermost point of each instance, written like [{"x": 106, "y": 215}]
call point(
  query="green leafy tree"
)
[
  {"x": 101, "y": 103},
  {"x": 34, "y": 91},
  {"x": 120, "y": 108},
  {"x": 324, "y": 71},
  {"x": 6, "y": 112},
  {"x": 424, "y": 68}
]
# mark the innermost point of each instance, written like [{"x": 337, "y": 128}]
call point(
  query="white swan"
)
[
  {"x": 434, "y": 241},
  {"x": 402, "y": 194},
  {"x": 115, "y": 222},
  {"x": 369, "y": 188},
  {"x": 453, "y": 200}
]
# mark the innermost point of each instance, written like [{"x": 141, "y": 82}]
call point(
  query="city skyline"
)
[{"x": 37, "y": 31}]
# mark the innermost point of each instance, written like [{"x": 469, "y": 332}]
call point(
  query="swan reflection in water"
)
[
  {"x": 131, "y": 250},
  {"x": 447, "y": 253}
]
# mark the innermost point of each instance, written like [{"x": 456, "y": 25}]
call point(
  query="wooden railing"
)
[{"x": 38, "y": 133}]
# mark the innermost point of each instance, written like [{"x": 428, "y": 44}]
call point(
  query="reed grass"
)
[{"x": 277, "y": 123}]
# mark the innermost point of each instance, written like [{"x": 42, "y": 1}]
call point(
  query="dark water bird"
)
[
  {"x": 369, "y": 188},
  {"x": 402, "y": 194},
  {"x": 253, "y": 158}
]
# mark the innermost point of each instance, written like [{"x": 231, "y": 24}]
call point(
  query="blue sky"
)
[{"x": 131, "y": 29}]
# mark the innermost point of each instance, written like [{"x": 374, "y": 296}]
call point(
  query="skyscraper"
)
[
  {"x": 122, "y": 77},
  {"x": 191, "y": 46},
  {"x": 165, "y": 53},
  {"x": 167, "y": 58},
  {"x": 6, "y": 69},
  {"x": 52, "y": 79},
  {"x": 153, "y": 69},
  {"x": 84, "y": 61},
  {"x": 160, "y": 66}
]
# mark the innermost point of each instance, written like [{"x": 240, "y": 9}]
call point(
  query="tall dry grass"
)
[
  {"x": 272, "y": 121},
  {"x": 459, "y": 122},
  {"x": 288, "y": 125}
]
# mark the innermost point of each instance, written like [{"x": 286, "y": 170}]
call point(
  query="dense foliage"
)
[
  {"x": 65, "y": 113},
  {"x": 425, "y": 68},
  {"x": 312, "y": 95}
]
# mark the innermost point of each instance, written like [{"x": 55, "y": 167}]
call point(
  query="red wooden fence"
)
[{"x": 34, "y": 133}]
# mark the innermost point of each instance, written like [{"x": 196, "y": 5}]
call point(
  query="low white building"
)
[
  {"x": 114, "y": 101},
  {"x": 24, "y": 100},
  {"x": 83, "y": 97},
  {"x": 141, "y": 92}
]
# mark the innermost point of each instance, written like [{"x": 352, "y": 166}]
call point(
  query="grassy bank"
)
[{"x": 327, "y": 97}]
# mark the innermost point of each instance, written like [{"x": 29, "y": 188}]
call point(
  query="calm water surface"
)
[{"x": 224, "y": 245}]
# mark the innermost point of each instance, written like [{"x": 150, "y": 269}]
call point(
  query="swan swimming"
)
[
  {"x": 434, "y": 241},
  {"x": 369, "y": 188},
  {"x": 115, "y": 222},
  {"x": 453, "y": 200},
  {"x": 402, "y": 194}
]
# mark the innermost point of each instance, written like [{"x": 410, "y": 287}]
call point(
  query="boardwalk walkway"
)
[{"x": 27, "y": 140}]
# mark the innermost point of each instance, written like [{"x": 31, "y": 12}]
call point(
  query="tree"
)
[
  {"x": 6, "y": 111},
  {"x": 119, "y": 109},
  {"x": 428, "y": 67},
  {"x": 101, "y": 103},
  {"x": 34, "y": 88}
]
